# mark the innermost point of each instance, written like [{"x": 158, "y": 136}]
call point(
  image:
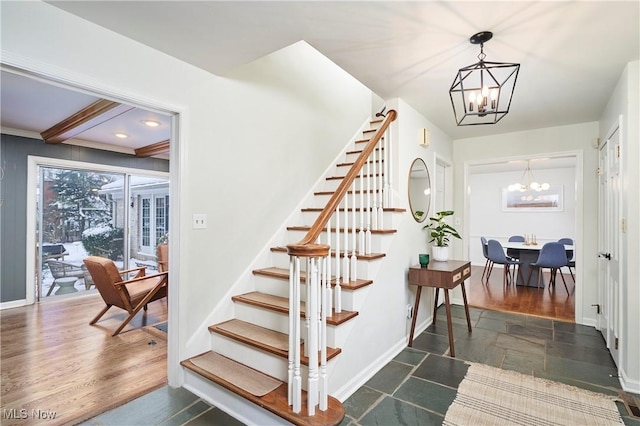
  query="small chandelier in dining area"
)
[
  {"x": 527, "y": 182},
  {"x": 481, "y": 93}
]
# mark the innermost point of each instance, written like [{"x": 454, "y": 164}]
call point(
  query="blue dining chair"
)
[
  {"x": 571, "y": 262},
  {"x": 553, "y": 256},
  {"x": 496, "y": 254},
  {"x": 515, "y": 253},
  {"x": 487, "y": 263}
]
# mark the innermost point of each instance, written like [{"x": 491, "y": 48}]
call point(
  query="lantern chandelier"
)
[
  {"x": 529, "y": 183},
  {"x": 481, "y": 93}
]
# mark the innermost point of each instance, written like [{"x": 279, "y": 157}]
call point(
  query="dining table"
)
[{"x": 528, "y": 255}]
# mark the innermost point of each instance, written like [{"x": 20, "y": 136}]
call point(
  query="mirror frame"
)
[{"x": 415, "y": 212}]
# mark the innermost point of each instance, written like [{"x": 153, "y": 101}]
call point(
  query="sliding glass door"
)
[{"x": 87, "y": 212}]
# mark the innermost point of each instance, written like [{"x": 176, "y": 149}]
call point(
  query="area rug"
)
[{"x": 492, "y": 396}]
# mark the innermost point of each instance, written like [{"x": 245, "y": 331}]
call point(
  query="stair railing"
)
[{"x": 370, "y": 166}]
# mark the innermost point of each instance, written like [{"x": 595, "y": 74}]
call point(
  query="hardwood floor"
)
[
  {"x": 53, "y": 363},
  {"x": 543, "y": 302}
]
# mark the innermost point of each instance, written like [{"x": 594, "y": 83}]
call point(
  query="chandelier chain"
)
[{"x": 481, "y": 55}]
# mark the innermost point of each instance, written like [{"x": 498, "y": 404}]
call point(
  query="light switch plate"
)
[{"x": 199, "y": 221}]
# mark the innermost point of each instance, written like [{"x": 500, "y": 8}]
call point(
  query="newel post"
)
[{"x": 315, "y": 314}]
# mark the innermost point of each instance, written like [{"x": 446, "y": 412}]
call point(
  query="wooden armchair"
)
[
  {"x": 128, "y": 294},
  {"x": 163, "y": 257}
]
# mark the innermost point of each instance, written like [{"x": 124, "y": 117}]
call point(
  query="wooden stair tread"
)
[
  {"x": 276, "y": 401},
  {"x": 351, "y": 163},
  {"x": 341, "y": 177},
  {"x": 262, "y": 338},
  {"x": 348, "y": 192},
  {"x": 283, "y": 274},
  {"x": 386, "y": 209},
  {"x": 371, "y": 256},
  {"x": 307, "y": 228},
  {"x": 281, "y": 305}
]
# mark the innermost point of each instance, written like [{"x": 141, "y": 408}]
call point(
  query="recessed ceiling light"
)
[
  {"x": 122, "y": 135},
  {"x": 151, "y": 123}
]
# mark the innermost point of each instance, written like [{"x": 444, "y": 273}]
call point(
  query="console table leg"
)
[
  {"x": 466, "y": 306},
  {"x": 415, "y": 315},
  {"x": 435, "y": 306},
  {"x": 452, "y": 351}
]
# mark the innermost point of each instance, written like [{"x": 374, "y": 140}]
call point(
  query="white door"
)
[
  {"x": 609, "y": 242},
  {"x": 154, "y": 211}
]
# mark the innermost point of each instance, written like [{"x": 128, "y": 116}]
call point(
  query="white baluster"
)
[
  {"x": 337, "y": 293},
  {"x": 380, "y": 186},
  {"x": 307, "y": 301},
  {"x": 295, "y": 380},
  {"x": 361, "y": 248},
  {"x": 324, "y": 313},
  {"x": 345, "y": 234},
  {"x": 328, "y": 268},
  {"x": 367, "y": 249},
  {"x": 312, "y": 336},
  {"x": 388, "y": 176},
  {"x": 374, "y": 213},
  {"x": 354, "y": 237}
]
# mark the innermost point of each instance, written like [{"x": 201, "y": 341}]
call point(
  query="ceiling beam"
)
[
  {"x": 83, "y": 120},
  {"x": 153, "y": 149}
]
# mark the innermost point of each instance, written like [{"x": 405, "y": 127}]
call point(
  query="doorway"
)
[
  {"x": 487, "y": 183},
  {"x": 84, "y": 210}
]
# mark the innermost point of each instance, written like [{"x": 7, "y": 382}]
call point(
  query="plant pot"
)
[{"x": 440, "y": 254}]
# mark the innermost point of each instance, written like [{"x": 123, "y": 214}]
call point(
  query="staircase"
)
[{"x": 262, "y": 354}]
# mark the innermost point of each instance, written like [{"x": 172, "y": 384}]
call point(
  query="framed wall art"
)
[{"x": 549, "y": 200}]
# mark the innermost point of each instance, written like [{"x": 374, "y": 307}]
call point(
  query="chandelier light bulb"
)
[
  {"x": 545, "y": 186},
  {"x": 494, "y": 97},
  {"x": 535, "y": 186},
  {"x": 472, "y": 99}
]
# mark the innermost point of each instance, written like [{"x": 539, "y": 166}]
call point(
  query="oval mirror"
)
[{"x": 419, "y": 190}]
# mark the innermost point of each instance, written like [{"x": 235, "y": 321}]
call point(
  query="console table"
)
[{"x": 440, "y": 275}]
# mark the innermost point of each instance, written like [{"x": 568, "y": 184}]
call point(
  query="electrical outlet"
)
[
  {"x": 409, "y": 311},
  {"x": 199, "y": 221}
]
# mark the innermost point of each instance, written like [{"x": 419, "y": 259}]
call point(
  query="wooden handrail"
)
[{"x": 321, "y": 221}]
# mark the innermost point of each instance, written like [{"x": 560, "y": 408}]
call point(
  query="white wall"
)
[
  {"x": 624, "y": 103},
  {"x": 238, "y": 156},
  {"x": 488, "y": 219}
]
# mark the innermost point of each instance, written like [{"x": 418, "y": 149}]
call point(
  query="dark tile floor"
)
[{"x": 419, "y": 384}]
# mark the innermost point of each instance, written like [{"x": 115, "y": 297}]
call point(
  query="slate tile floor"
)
[{"x": 420, "y": 383}]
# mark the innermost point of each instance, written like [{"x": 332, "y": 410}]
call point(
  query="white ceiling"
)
[
  {"x": 571, "y": 53},
  {"x": 29, "y": 106}
]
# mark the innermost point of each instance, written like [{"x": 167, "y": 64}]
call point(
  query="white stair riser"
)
[
  {"x": 280, "y": 288},
  {"x": 265, "y": 362},
  {"x": 391, "y": 220},
  {"x": 320, "y": 200},
  {"x": 279, "y": 322},
  {"x": 268, "y": 363},
  {"x": 281, "y": 260},
  {"x": 242, "y": 409}
]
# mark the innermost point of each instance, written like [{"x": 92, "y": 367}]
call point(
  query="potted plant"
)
[{"x": 440, "y": 232}]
